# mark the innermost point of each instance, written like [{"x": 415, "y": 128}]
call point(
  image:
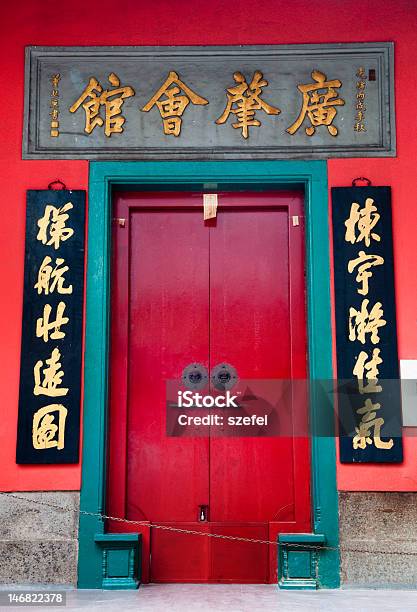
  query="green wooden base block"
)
[
  {"x": 298, "y": 560},
  {"x": 121, "y": 559}
]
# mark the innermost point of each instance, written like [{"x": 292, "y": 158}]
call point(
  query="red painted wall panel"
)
[{"x": 47, "y": 22}]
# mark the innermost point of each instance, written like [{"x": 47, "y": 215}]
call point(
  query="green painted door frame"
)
[{"x": 208, "y": 176}]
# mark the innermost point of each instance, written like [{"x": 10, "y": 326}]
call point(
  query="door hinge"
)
[{"x": 120, "y": 221}]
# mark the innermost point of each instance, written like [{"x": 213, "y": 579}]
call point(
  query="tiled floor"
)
[{"x": 236, "y": 598}]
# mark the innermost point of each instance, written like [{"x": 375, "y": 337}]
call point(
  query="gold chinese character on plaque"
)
[
  {"x": 51, "y": 278},
  {"x": 49, "y": 379},
  {"x": 44, "y": 326},
  {"x": 364, "y": 220},
  {"x": 370, "y": 366},
  {"x": 54, "y": 105},
  {"x": 359, "y": 123},
  {"x": 363, "y": 263},
  {"x": 46, "y": 433},
  {"x": 359, "y": 127},
  {"x": 94, "y": 97},
  {"x": 244, "y": 100},
  {"x": 319, "y": 104},
  {"x": 368, "y": 422},
  {"x": 52, "y": 226},
  {"x": 363, "y": 321},
  {"x": 173, "y": 102}
]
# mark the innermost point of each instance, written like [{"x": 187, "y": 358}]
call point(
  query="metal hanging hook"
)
[
  {"x": 57, "y": 182},
  {"x": 361, "y": 178}
]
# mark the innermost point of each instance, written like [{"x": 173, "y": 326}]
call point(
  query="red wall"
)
[{"x": 223, "y": 22}]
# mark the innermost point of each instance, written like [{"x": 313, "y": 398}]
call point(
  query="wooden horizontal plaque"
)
[{"x": 269, "y": 102}]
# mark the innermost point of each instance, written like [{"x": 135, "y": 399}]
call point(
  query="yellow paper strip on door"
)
[{"x": 210, "y": 205}]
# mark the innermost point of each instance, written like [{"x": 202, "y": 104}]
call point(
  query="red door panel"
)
[
  {"x": 184, "y": 291},
  {"x": 234, "y": 561},
  {"x": 253, "y": 307},
  {"x": 250, "y": 329},
  {"x": 167, "y": 477},
  {"x": 159, "y": 325},
  {"x": 179, "y": 557}
]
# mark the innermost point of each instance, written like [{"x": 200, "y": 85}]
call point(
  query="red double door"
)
[{"x": 185, "y": 291}]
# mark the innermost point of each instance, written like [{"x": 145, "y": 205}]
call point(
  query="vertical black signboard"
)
[
  {"x": 50, "y": 370},
  {"x": 369, "y": 399}
]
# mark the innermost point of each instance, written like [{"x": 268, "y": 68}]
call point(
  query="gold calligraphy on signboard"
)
[
  {"x": 49, "y": 379},
  {"x": 365, "y": 322},
  {"x": 359, "y": 124},
  {"x": 319, "y": 104},
  {"x": 320, "y": 100},
  {"x": 47, "y": 432},
  {"x": 172, "y": 103},
  {"x": 51, "y": 278},
  {"x": 94, "y": 97},
  {"x": 243, "y": 100},
  {"x": 54, "y": 104},
  {"x": 48, "y": 426},
  {"x": 52, "y": 225}
]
